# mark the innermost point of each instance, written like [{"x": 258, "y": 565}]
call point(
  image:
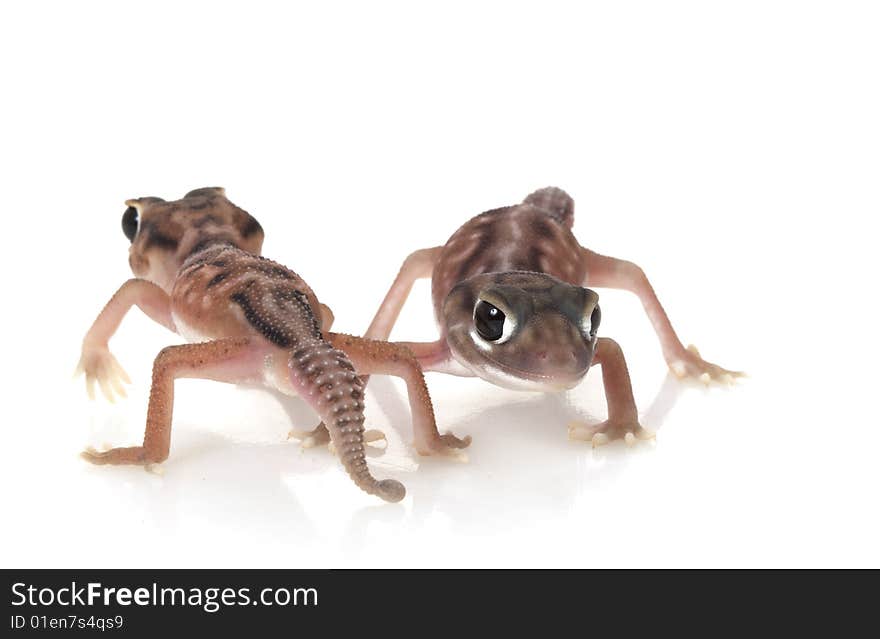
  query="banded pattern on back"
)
[
  {"x": 226, "y": 291},
  {"x": 514, "y": 238}
]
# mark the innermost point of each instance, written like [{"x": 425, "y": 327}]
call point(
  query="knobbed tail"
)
[
  {"x": 326, "y": 379},
  {"x": 556, "y": 202}
]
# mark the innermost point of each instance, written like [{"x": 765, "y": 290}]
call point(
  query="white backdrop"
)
[{"x": 729, "y": 149}]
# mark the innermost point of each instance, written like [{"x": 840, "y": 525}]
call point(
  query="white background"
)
[{"x": 731, "y": 149}]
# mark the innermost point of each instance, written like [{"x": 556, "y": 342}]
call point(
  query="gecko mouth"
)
[
  {"x": 482, "y": 363},
  {"x": 517, "y": 378}
]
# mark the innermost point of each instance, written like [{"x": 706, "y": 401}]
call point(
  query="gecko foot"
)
[
  {"x": 320, "y": 436},
  {"x": 447, "y": 445},
  {"x": 690, "y": 364},
  {"x": 130, "y": 455},
  {"x": 99, "y": 365},
  {"x": 370, "y": 436},
  {"x": 607, "y": 431}
]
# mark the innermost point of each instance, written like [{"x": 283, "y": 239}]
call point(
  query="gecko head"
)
[
  {"x": 522, "y": 330},
  {"x": 163, "y": 234}
]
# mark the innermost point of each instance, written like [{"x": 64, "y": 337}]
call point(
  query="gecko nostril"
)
[{"x": 541, "y": 355}]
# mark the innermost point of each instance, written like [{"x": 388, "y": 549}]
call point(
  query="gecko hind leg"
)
[{"x": 226, "y": 360}]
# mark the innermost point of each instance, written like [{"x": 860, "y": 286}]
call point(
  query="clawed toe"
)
[
  {"x": 446, "y": 445},
  {"x": 691, "y": 365},
  {"x": 455, "y": 454},
  {"x": 374, "y": 435},
  {"x": 320, "y": 436},
  {"x": 126, "y": 455},
  {"x": 608, "y": 431},
  {"x": 101, "y": 368},
  {"x": 92, "y": 455},
  {"x": 452, "y": 441},
  {"x": 598, "y": 439}
]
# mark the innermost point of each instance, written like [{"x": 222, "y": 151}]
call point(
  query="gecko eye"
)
[
  {"x": 595, "y": 319},
  {"x": 489, "y": 321},
  {"x": 130, "y": 223}
]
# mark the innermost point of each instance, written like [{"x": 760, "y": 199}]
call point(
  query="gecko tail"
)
[
  {"x": 556, "y": 202},
  {"x": 326, "y": 378}
]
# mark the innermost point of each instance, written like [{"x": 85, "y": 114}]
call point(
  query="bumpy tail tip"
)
[
  {"x": 391, "y": 490},
  {"x": 555, "y": 201}
]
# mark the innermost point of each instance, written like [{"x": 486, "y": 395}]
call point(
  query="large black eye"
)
[
  {"x": 595, "y": 318},
  {"x": 489, "y": 321},
  {"x": 130, "y": 223}
]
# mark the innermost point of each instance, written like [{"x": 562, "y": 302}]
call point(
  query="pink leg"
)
[
  {"x": 603, "y": 271},
  {"x": 225, "y": 360},
  {"x": 96, "y": 361},
  {"x": 434, "y": 357},
  {"x": 623, "y": 416},
  {"x": 327, "y": 317},
  {"x": 418, "y": 265}
]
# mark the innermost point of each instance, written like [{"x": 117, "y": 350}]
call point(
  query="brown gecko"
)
[
  {"x": 509, "y": 298},
  {"x": 248, "y": 319}
]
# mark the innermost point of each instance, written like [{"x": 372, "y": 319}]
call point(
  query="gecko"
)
[
  {"x": 246, "y": 319},
  {"x": 510, "y": 297}
]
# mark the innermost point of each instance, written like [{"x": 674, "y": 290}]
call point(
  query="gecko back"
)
[{"x": 533, "y": 236}]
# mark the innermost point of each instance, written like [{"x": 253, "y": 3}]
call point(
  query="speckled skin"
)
[
  {"x": 523, "y": 238},
  {"x": 525, "y": 261},
  {"x": 248, "y": 319}
]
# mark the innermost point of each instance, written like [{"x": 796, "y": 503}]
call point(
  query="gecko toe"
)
[
  {"x": 374, "y": 435},
  {"x": 452, "y": 441},
  {"x": 678, "y": 369},
  {"x": 94, "y": 456}
]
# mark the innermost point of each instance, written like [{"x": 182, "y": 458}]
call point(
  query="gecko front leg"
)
[
  {"x": 417, "y": 265},
  {"x": 623, "y": 416},
  {"x": 604, "y": 271},
  {"x": 226, "y": 360},
  {"x": 96, "y": 360}
]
